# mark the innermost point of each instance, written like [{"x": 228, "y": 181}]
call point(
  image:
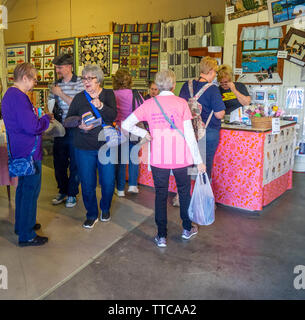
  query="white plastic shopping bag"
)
[
  {"x": 202, "y": 206},
  {"x": 55, "y": 129}
]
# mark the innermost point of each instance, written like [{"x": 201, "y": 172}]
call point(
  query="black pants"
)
[
  {"x": 161, "y": 182},
  {"x": 64, "y": 160}
]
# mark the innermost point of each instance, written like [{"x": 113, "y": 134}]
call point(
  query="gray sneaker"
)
[
  {"x": 59, "y": 199},
  {"x": 188, "y": 234},
  {"x": 160, "y": 242}
]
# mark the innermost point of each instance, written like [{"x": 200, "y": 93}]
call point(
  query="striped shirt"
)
[{"x": 71, "y": 88}]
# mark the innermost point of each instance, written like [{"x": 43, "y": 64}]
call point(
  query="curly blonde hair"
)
[
  {"x": 207, "y": 64},
  {"x": 224, "y": 71},
  {"x": 122, "y": 80}
]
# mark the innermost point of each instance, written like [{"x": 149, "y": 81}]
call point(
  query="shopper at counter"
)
[
  {"x": 210, "y": 100},
  {"x": 165, "y": 154},
  {"x": 234, "y": 94}
]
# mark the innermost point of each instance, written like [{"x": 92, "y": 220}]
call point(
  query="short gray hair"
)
[
  {"x": 165, "y": 80},
  {"x": 94, "y": 69}
]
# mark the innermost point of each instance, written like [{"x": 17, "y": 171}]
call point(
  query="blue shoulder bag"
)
[{"x": 22, "y": 166}]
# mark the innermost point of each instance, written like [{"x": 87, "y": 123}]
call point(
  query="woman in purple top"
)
[
  {"x": 127, "y": 100},
  {"x": 22, "y": 127}
]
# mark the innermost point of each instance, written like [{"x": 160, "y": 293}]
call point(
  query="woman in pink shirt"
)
[
  {"x": 173, "y": 147},
  {"x": 127, "y": 100}
]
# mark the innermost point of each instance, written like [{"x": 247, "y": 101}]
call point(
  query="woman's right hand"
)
[{"x": 201, "y": 167}]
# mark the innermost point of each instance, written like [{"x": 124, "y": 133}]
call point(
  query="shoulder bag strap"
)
[
  {"x": 167, "y": 118},
  {"x": 209, "y": 119},
  {"x": 202, "y": 90},
  {"x": 199, "y": 94},
  {"x": 97, "y": 114},
  {"x": 136, "y": 98}
]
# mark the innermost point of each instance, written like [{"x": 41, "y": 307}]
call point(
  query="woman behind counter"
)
[
  {"x": 24, "y": 130},
  {"x": 85, "y": 139},
  {"x": 234, "y": 94}
]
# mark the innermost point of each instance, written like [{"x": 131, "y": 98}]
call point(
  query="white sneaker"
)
[
  {"x": 120, "y": 193},
  {"x": 133, "y": 189}
]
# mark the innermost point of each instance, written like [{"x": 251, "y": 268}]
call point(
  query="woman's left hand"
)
[{"x": 83, "y": 126}]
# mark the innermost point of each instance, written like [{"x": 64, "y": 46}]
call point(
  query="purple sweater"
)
[{"x": 22, "y": 124}]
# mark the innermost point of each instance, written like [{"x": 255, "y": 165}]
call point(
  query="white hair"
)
[{"x": 165, "y": 80}]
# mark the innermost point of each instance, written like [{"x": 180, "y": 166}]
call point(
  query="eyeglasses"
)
[{"x": 88, "y": 78}]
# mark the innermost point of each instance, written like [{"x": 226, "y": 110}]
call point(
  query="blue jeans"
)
[
  {"x": 133, "y": 166},
  {"x": 87, "y": 164},
  {"x": 212, "y": 140},
  {"x": 161, "y": 181},
  {"x": 64, "y": 161},
  {"x": 27, "y": 194}
]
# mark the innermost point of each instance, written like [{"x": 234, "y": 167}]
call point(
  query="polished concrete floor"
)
[{"x": 242, "y": 255}]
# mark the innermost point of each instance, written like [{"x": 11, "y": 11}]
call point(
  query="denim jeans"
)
[
  {"x": 26, "y": 197},
  {"x": 124, "y": 157},
  {"x": 161, "y": 181},
  {"x": 212, "y": 140},
  {"x": 87, "y": 164},
  {"x": 64, "y": 161}
]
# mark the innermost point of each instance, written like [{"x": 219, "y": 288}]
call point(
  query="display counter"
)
[{"x": 252, "y": 167}]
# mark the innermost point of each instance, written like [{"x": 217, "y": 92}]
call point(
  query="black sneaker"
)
[
  {"x": 37, "y": 241},
  {"x": 105, "y": 216},
  {"x": 89, "y": 223}
]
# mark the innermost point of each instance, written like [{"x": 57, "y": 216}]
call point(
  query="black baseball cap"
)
[{"x": 63, "y": 59}]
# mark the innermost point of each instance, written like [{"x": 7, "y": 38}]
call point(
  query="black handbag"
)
[{"x": 58, "y": 112}]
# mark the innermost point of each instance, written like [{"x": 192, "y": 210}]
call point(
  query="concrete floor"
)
[{"x": 242, "y": 255}]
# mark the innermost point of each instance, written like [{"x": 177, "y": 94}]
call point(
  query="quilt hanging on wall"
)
[
  {"x": 176, "y": 38},
  {"x": 136, "y": 48},
  {"x": 15, "y": 54},
  {"x": 95, "y": 50},
  {"x": 41, "y": 55}
]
